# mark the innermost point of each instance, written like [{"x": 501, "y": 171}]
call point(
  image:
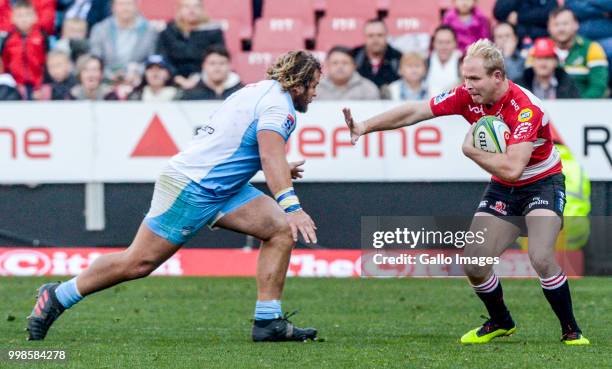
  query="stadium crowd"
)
[{"x": 113, "y": 50}]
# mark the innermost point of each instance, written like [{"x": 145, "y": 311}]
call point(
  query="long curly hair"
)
[{"x": 294, "y": 69}]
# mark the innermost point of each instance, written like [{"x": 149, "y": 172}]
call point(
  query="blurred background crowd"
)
[{"x": 167, "y": 50}]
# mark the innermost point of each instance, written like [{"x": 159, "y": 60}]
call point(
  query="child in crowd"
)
[
  {"x": 60, "y": 78},
  {"x": 413, "y": 69},
  {"x": 74, "y": 40},
  {"x": 468, "y": 22},
  {"x": 24, "y": 48}
]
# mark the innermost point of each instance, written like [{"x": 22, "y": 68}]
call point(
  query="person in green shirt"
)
[{"x": 584, "y": 60}]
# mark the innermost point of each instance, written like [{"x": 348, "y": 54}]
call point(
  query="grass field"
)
[{"x": 374, "y": 323}]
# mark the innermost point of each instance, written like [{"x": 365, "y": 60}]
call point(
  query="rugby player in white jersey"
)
[
  {"x": 208, "y": 184},
  {"x": 527, "y": 189}
]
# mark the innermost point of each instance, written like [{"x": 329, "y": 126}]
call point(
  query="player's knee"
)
[
  {"x": 474, "y": 271},
  {"x": 542, "y": 263},
  {"x": 281, "y": 233},
  {"x": 140, "y": 268}
]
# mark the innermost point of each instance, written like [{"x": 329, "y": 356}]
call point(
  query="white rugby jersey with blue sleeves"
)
[{"x": 224, "y": 155}]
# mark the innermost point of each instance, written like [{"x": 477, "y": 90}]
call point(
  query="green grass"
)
[{"x": 367, "y": 323}]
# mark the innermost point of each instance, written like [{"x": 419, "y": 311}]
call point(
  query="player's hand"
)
[
  {"x": 357, "y": 129},
  {"x": 296, "y": 171},
  {"x": 300, "y": 222},
  {"x": 468, "y": 142}
]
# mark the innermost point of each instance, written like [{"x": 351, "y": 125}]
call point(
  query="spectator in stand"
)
[
  {"x": 24, "y": 48},
  {"x": 60, "y": 81},
  {"x": 157, "y": 83},
  {"x": 468, "y": 22},
  {"x": 341, "y": 80},
  {"x": 505, "y": 37},
  {"x": 186, "y": 38},
  {"x": 90, "y": 73},
  {"x": 74, "y": 40},
  {"x": 443, "y": 68},
  {"x": 413, "y": 69},
  {"x": 595, "y": 17},
  {"x": 217, "y": 81},
  {"x": 584, "y": 60},
  {"x": 546, "y": 79},
  {"x": 8, "y": 86},
  {"x": 125, "y": 37},
  {"x": 126, "y": 83},
  {"x": 528, "y": 16},
  {"x": 91, "y": 11},
  {"x": 44, "y": 9},
  {"x": 376, "y": 60}
]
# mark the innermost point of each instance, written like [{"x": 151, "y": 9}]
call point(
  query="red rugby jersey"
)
[{"x": 523, "y": 112}]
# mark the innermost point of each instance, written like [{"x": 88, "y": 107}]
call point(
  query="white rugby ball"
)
[{"x": 491, "y": 134}]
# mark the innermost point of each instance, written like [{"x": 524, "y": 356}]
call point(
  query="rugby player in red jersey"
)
[{"x": 526, "y": 182}]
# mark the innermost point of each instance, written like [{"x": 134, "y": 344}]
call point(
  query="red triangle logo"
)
[{"x": 155, "y": 142}]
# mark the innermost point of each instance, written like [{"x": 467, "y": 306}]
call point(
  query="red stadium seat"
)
[
  {"x": 278, "y": 34},
  {"x": 230, "y": 9},
  {"x": 319, "y": 5},
  {"x": 487, "y": 7},
  {"x": 158, "y": 10},
  {"x": 354, "y": 8},
  {"x": 399, "y": 25},
  {"x": 303, "y": 10},
  {"x": 414, "y": 7},
  {"x": 252, "y": 66},
  {"x": 237, "y": 10},
  {"x": 232, "y": 34},
  {"x": 339, "y": 31}
]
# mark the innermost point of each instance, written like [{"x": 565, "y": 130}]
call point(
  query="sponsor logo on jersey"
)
[
  {"x": 289, "y": 124},
  {"x": 525, "y": 115},
  {"x": 515, "y": 105},
  {"x": 443, "y": 96},
  {"x": 477, "y": 109},
  {"x": 499, "y": 207},
  {"x": 523, "y": 130}
]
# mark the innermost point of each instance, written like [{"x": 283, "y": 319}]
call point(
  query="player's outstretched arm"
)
[
  {"x": 405, "y": 115},
  {"x": 278, "y": 174}
]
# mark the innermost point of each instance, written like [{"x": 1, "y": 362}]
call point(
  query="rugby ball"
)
[{"x": 491, "y": 134}]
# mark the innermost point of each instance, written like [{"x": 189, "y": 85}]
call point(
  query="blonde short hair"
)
[
  {"x": 491, "y": 55},
  {"x": 412, "y": 57}
]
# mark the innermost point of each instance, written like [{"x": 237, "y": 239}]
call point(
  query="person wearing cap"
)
[
  {"x": 545, "y": 78},
  {"x": 157, "y": 82}
]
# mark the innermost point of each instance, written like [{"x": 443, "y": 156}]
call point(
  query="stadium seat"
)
[
  {"x": 303, "y": 10},
  {"x": 339, "y": 31},
  {"x": 354, "y": 8},
  {"x": 487, "y": 7},
  {"x": 251, "y": 66},
  {"x": 413, "y": 8},
  {"x": 278, "y": 34},
  {"x": 231, "y": 34},
  {"x": 399, "y": 25},
  {"x": 237, "y": 10},
  {"x": 158, "y": 10}
]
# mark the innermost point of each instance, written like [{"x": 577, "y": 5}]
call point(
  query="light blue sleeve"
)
[{"x": 273, "y": 114}]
